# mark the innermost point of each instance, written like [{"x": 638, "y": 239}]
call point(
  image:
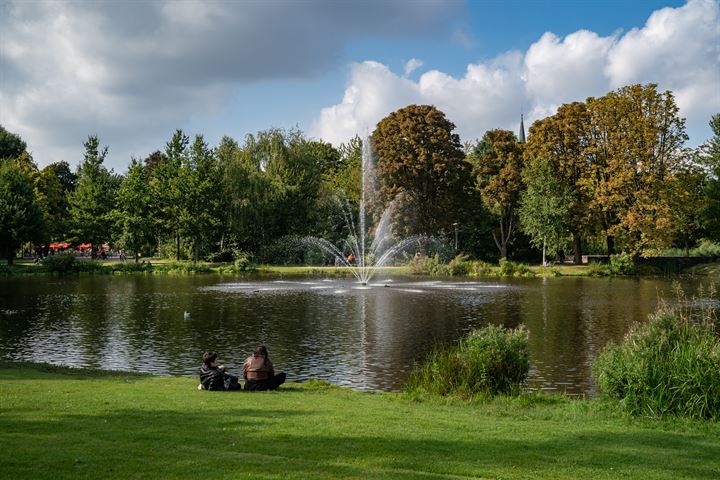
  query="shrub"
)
[
  {"x": 508, "y": 268},
  {"x": 622, "y": 264},
  {"x": 91, "y": 266},
  {"x": 183, "y": 268},
  {"x": 132, "y": 267},
  {"x": 667, "y": 366},
  {"x": 241, "y": 265},
  {"x": 481, "y": 269},
  {"x": 596, "y": 269},
  {"x": 706, "y": 248},
  {"x": 459, "y": 266},
  {"x": 62, "y": 264},
  {"x": 489, "y": 361},
  {"x": 429, "y": 266}
]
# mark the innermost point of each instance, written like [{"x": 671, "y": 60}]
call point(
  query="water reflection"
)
[{"x": 364, "y": 337}]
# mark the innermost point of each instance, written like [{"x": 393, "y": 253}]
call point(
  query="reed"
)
[
  {"x": 492, "y": 360},
  {"x": 667, "y": 366}
]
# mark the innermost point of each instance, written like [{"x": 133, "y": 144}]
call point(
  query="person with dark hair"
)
[
  {"x": 259, "y": 372},
  {"x": 214, "y": 377}
]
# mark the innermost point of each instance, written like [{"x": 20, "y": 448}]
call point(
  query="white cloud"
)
[
  {"x": 678, "y": 48},
  {"x": 132, "y": 72},
  {"x": 412, "y": 65}
]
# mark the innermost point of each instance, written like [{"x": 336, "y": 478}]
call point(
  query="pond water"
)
[{"x": 316, "y": 328}]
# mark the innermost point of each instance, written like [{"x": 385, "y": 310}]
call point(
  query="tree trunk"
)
[
  {"x": 177, "y": 245},
  {"x": 544, "y": 262},
  {"x": 137, "y": 257},
  {"x": 10, "y": 256},
  {"x": 687, "y": 248},
  {"x": 610, "y": 245},
  {"x": 577, "y": 240},
  {"x": 196, "y": 253}
]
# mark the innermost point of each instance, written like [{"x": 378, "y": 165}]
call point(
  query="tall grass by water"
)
[
  {"x": 667, "y": 366},
  {"x": 489, "y": 361}
]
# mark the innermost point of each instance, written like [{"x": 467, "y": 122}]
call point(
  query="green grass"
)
[{"x": 62, "y": 424}]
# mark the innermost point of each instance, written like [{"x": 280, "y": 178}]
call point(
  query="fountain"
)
[{"x": 365, "y": 260}]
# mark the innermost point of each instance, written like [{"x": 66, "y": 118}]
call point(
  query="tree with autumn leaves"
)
[
  {"x": 421, "y": 166},
  {"x": 621, "y": 157}
]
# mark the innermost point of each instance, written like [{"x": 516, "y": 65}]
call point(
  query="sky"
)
[{"x": 132, "y": 72}]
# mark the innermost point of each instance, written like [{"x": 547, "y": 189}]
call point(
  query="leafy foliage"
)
[
  {"x": 490, "y": 361},
  {"x": 498, "y": 168},
  {"x": 21, "y": 216},
  {"x": 667, "y": 366},
  {"x": 93, "y": 200},
  {"x": 420, "y": 165}
]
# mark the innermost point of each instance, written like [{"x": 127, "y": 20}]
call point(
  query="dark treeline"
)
[{"x": 602, "y": 176}]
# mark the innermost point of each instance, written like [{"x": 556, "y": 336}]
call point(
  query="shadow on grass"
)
[{"x": 263, "y": 442}]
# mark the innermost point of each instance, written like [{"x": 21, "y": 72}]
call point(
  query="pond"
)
[{"x": 316, "y": 328}]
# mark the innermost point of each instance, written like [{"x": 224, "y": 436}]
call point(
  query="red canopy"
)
[
  {"x": 85, "y": 245},
  {"x": 59, "y": 245}
]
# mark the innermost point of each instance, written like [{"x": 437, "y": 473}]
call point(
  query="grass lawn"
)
[{"x": 56, "y": 424}]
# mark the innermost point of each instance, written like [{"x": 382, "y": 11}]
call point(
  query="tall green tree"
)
[
  {"x": 93, "y": 200},
  {"x": 544, "y": 207},
  {"x": 200, "y": 214},
  {"x": 421, "y": 162},
  {"x": 167, "y": 187},
  {"x": 11, "y": 145},
  {"x": 135, "y": 213},
  {"x": 21, "y": 216},
  {"x": 498, "y": 168},
  {"x": 709, "y": 157},
  {"x": 561, "y": 141}
]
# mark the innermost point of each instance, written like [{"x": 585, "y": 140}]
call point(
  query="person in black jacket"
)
[{"x": 214, "y": 377}]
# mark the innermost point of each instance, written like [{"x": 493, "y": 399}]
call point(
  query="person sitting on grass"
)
[
  {"x": 213, "y": 376},
  {"x": 259, "y": 372}
]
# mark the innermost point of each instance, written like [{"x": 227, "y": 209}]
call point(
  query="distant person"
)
[
  {"x": 214, "y": 377},
  {"x": 259, "y": 372}
]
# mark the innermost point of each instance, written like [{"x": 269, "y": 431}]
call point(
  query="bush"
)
[
  {"x": 481, "y": 269},
  {"x": 508, "y": 268},
  {"x": 459, "y": 266},
  {"x": 132, "y": 267},
  {"x": 596, "y": 269},
  {"x": 622, "y": 264},
  {"x": 62, "y": 264},
  {"x": 91, "y": 266},
  {"x": 706, "y": 248},
  {"x": 667, "y": 366},
  {"x": 241, "y": 265},
  {"x": 489, "y": 361},
  {"x": 183, "y": 268},
  {"x": 429, "y": 266}
]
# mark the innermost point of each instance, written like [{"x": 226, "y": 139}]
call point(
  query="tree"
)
[
  {"x": 11, "y": 145},
  {"x": 166, "y": 185},
  {"x": 498, "y": 161},
  {"x": 684, "y": 194},
  {"x": 709, "y": 157},
  {"x": 134, "y": 214},
  {"x": 421, "y": 162},
  {"x": 561, "y": 141},
  {"x": 93, "y": 200},
  {"x": 21, "y": 217},
  {"x": 636, "y": 142},
  {"x": 544, "y": 207},
  {"x": 200, "y": 212}
]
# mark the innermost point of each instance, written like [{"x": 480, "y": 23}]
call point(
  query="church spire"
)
[{"x": 521, "y": 134}]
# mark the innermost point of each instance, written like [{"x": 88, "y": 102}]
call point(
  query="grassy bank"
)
[
  {"x": 163, "y": 266},
  {"x": 57, "y": 423}
]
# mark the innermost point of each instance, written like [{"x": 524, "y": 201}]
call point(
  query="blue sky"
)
[{"x": 133, "y": 72}]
